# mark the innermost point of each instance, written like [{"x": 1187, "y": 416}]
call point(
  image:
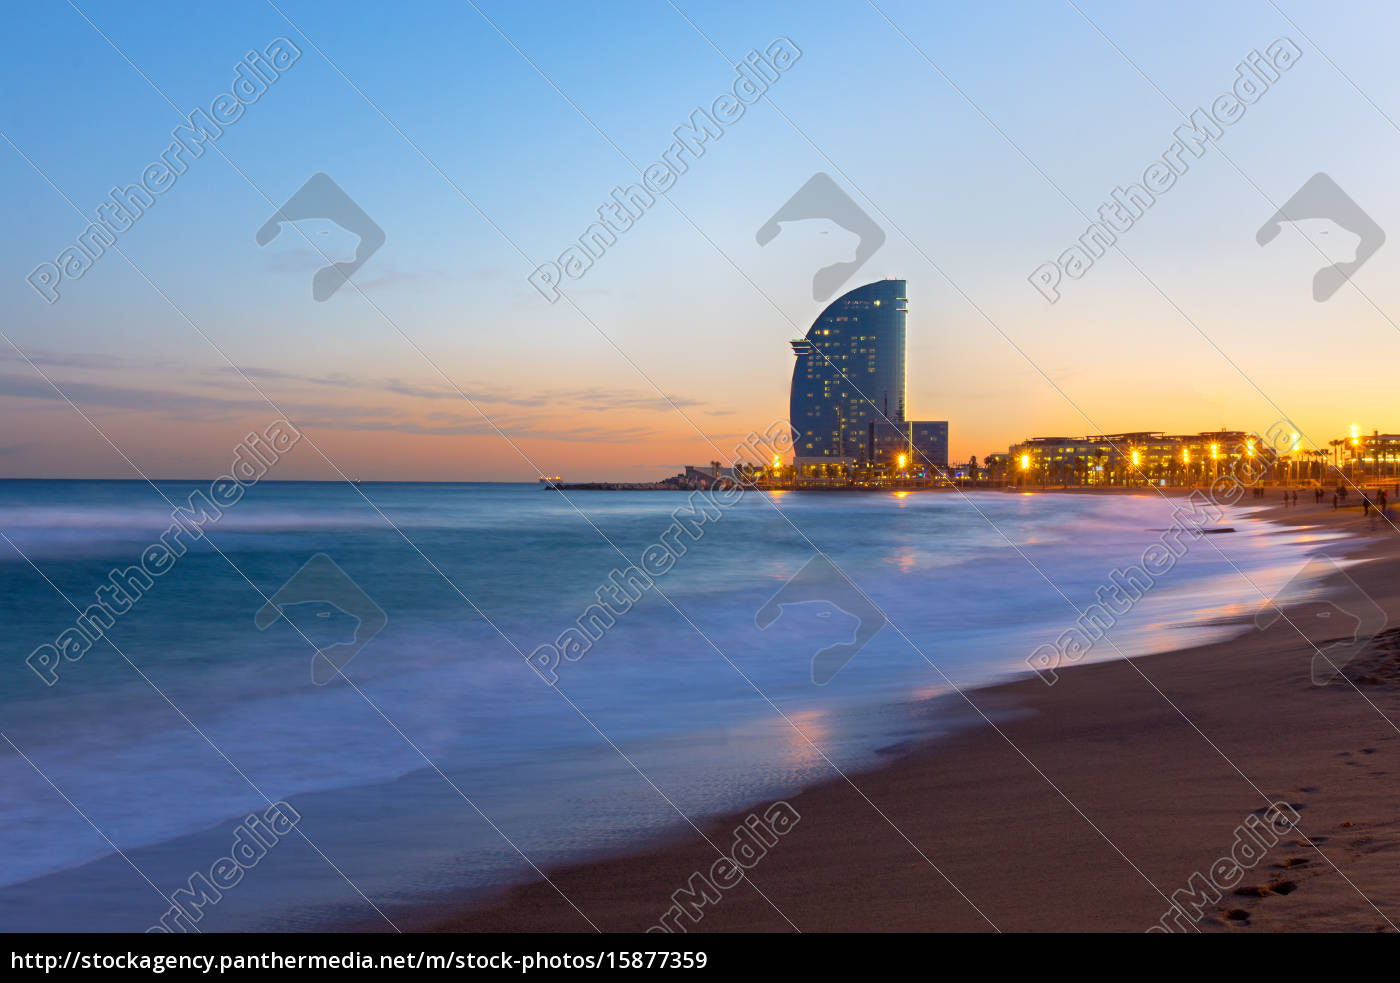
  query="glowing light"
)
[
  {"x": 1025, "y": 462},
  {"x": 901, "y": 460},
  {"x": 799, "y": 743},
  {"x": 1249, "y": 448},
  {"x": 1214, "y": 451},
  {"x": 1135, "y": 458},
  {"x": 1185, "y": 456},
  {"x": 777, "y": 461}
]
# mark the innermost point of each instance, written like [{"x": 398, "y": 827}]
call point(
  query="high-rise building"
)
[{"x": 849, "y": 373}]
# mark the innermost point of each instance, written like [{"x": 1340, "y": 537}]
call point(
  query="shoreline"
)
[{"x": 1084, "y": 808}]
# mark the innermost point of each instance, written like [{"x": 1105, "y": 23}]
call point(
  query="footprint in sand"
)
[
  {"x": 1295, "y": 806},
  {"x": 1380, "y": 847},
  {"x": 1264, "y": 890}
]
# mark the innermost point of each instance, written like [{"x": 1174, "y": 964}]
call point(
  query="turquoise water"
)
[{"x": 446, "y": 760}]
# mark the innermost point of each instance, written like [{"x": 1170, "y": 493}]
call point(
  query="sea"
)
[{"x": 401, "y": 666}]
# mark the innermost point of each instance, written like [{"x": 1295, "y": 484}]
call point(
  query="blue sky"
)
[{"x": 1197, "y": 327}]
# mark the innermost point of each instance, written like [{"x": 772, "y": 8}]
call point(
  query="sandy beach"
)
[{"x": 1087, "y": 807}]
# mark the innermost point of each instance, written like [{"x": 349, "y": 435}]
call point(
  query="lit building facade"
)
[
  {"x": 1375, "y": 454},
  {"x": 930, "y": 440},
  {"x": 889, "y": 443},
  {"x": 1143, "y": 457},
  {"x": 916, "y": 448},
  {"x": 850, "y": 373}
]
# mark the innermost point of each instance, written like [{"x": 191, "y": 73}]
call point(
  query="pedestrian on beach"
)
[{"x": 1334, "y": 501}]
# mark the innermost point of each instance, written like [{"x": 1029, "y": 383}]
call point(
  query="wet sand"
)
[{"x": 1084, "y": 811}]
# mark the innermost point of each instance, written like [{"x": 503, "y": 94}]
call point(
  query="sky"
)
[{"x": 483, "y": 137}]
